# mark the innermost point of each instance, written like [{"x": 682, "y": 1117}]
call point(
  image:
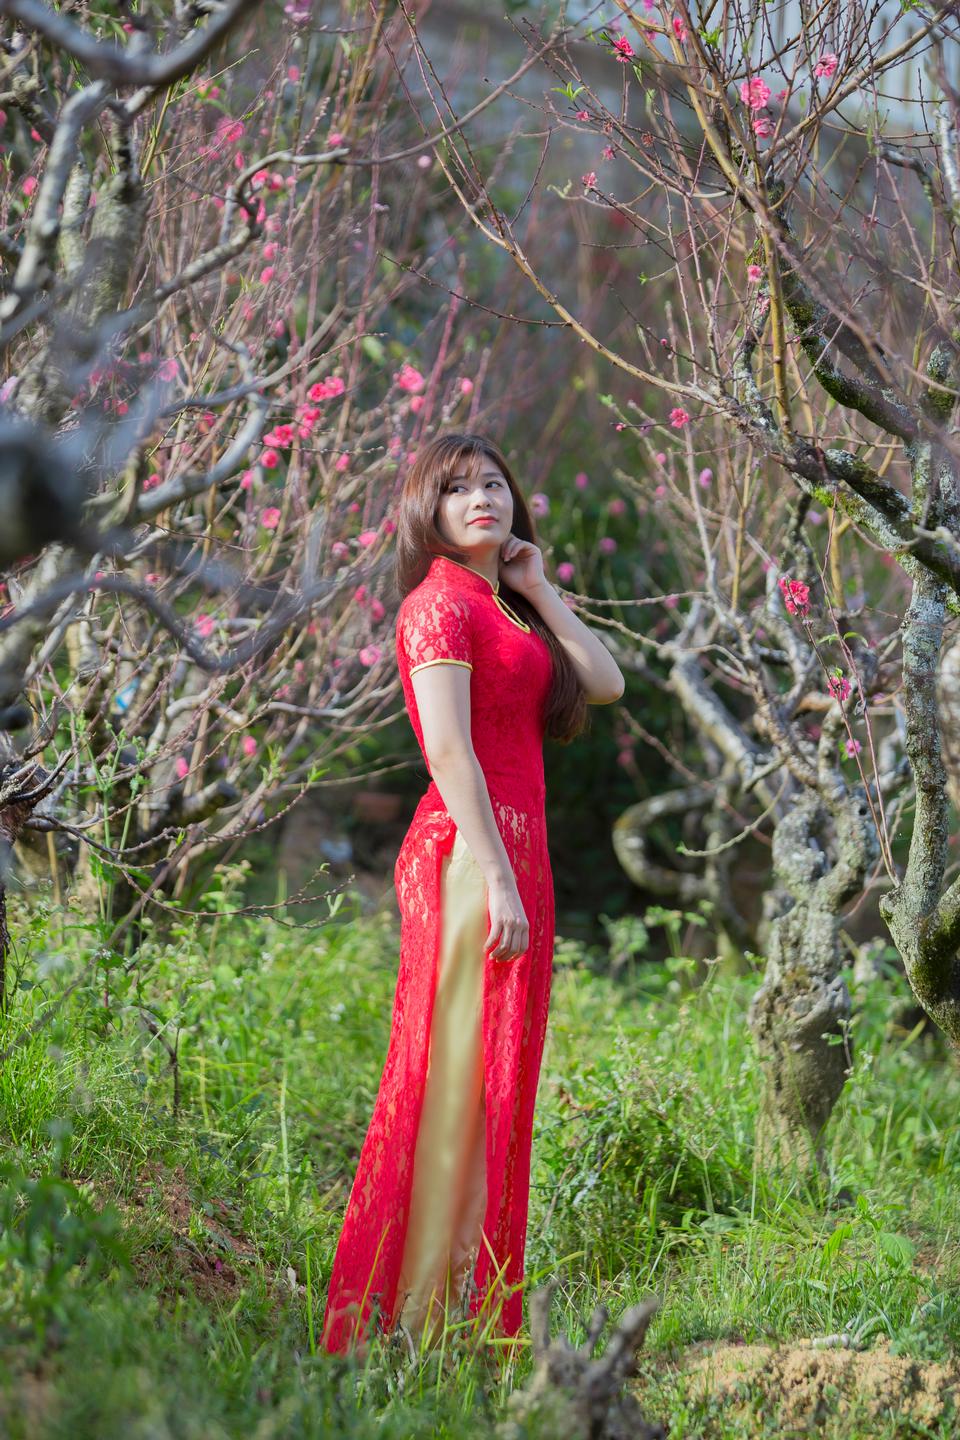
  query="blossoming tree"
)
[
  {"x": 214, "y": 384},
  {"x": 787, "y": 327}
]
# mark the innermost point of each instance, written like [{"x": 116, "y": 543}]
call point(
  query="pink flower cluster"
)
[
  {"x": 826, "y": 65},
  {"x": 796, "y": 595},
  {"x": 623, "y": 49},
  {"x": 327, "y": 389},
  {"x": 408, "y": 378},
  {"x": 679, "y": 418},
  {"x": 754, "y": 93},
  {"x": 839, "y": 687}
]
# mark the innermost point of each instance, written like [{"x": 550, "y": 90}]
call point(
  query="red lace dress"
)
[{"x": 456, "y": 616}]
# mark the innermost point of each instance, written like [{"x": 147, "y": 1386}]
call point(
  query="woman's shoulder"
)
[{"x": 438, "y": 597}]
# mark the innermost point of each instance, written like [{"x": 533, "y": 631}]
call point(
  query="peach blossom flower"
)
[
  {"x": 408, "y": 378},
  {"x": 754, "y": 93}
]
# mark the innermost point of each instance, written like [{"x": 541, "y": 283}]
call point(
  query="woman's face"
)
[{"x": 464, "y": 502}]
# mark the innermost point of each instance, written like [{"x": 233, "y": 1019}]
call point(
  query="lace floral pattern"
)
[{"x": 453, "y": 617}]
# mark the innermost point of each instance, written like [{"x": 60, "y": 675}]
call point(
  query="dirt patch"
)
[
  {"x": 211, "y": 1256},
  {"x": 808, "y": 1384}
]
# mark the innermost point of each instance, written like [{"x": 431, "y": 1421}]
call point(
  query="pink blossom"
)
[
  {"x": 205, "y": 625},
  {"x": 339, "y": 550},
  {"x": 270, "y": 517},
  {"x": 293, "y": 74},
  {"x": 679, "y": 418},
  {"x": 361, "y": 595},
  {"x": 417, "y": 403},
  {"x": 660, "y": 458},
  {"x": 826, "y": 65},
  {"x": 781, "y": 95},
  {"x": 266, "y": 274},
  {"x": 589, "y": 180},
  {"x": 619, "y": 425},
  {"x": 671, "y": 601},
  {"x": 270, "y": 250},
  {"x": 796, "y": 595},
  {"x": 151, "y": 578},
  {"x": 852, "y": 746},
  {"x": 334, "y": 139},
  {"x": 608, "y": 152},
  {"x": 679, "y": 28},
  {"x": 624, "y": 50},
  {"x": 617, "y": 506},
  {"x": 366, "y": 538},
  {"x": 229, "y": 131},
  {"x": 754, "y": 273},
  {"x": 249, "y": 745},
  {"x": 424, "y": 162},
  {"x": 269, "y": 459},
  {"x": 280, "y": 435},
  {"x": 181, "y": 767},
  {"x": 343, "y": 462},
  {"x": 388, "y": 527},
  {"x": 581, "y": 480},
  {"x": 466, "y": 386},
  {"x": 409, "y": 379},
  {"x": 246, "y": 480},
  {"x": 583, "y": 114},
  {"x": 815, "y": 517},
  {"x": 540, "y": 503},
  {"x": 839, "y": 687},
  {"x": 660, "y": 491},
  {"x": 377, "y": 609},
  {"x": 754, "y": 93},
  {"x": 30, "y": 185},
  {"x": 370, "y": 654},
  {"x": 705, "y": 477},
  {"x": 566, "y": 571},
  {"x": 608, "y": 545},
  {"x": 168, "y": 370},
  {"x": 327, "y": 389},
  {"x": 151, "y": 482},
  {"x": 762, "y": 127}
]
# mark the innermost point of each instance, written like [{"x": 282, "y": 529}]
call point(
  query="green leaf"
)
[{"x": 897, "y": 1250}]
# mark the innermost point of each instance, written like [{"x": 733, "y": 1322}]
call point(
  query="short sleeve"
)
[{"x": 433, "y": 628}]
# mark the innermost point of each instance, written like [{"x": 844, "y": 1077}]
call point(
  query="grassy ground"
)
[{"x": 180, "y": 1141}]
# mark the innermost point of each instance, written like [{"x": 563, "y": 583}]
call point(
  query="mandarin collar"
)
[{"x": 472, "y": 579}]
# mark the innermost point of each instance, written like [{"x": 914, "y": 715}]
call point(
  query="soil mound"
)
[{"x": 808, "y": 1383}]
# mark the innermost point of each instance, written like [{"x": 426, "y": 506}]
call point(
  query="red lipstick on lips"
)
[{"x": 483, "y": 520}]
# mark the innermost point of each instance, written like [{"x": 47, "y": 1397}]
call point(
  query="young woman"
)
[{"x": 491, "y": 660}]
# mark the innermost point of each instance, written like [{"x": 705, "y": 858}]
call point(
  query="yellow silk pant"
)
[{"x": 448, "y": 1198}]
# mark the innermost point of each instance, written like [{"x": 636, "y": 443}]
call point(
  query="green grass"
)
[{"x": 164, "y": 1269}]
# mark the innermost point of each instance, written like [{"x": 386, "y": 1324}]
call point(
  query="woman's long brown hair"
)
[{"x": 419, "y": 540}]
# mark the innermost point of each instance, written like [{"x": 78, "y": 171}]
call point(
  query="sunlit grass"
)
[{"x": 645, "y": 1181}]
